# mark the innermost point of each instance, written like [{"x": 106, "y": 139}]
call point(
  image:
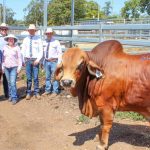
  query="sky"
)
[
  {"x": 116, "y": 4},
  {"x": 18, "y": 5}
]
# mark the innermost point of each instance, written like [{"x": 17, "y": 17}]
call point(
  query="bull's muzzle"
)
[{"x": 66, "y": 83}]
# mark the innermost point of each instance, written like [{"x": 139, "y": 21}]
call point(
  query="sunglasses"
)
[
  {"x": 3, "y": 29},
  {"x": 49, "y": 33}
]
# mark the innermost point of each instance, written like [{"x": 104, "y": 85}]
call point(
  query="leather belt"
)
[
  {"x": 52, "y": 59},
  {"x": 29, "y": 59}
]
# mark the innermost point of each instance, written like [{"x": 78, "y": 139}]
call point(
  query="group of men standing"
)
[{"x": 34, "y": 52}]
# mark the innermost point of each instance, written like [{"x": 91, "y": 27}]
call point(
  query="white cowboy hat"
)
[
  {"x": 11, "y": 36},
  {"x": 49, "y": 30},
  {"x": 4, "y": 25},
  {"x": 32, "y": 27}
]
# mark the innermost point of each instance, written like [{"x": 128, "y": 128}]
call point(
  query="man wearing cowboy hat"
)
[
  {"x": 32, "y": 51},
  {"x": 3, "y": 33},
  {"x": 52, "y": 56}
]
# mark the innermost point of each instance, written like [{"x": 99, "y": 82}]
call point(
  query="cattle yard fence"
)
[{"x": 127, "y": 34}]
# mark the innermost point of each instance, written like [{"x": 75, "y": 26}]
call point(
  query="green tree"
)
[
  {"x": 9, "y": 15},
  {"x": 145, "y": 6},
  {"x": 59, "y": 11},
  {"x": 108, "y": 8},
  {"x": 91, "y": 10},
  {"x": 19, "y": 23},
  {"x": 131, "y": 9},
  {"x": 34, "y": 12}
]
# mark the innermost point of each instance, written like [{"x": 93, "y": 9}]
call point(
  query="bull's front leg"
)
[{"x": 106, "y": 117}]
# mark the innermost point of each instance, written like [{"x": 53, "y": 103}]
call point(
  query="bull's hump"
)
[{"x": 73, "y": 53}]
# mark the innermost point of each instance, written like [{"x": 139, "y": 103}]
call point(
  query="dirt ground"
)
[{"x": 52, "y": 124}]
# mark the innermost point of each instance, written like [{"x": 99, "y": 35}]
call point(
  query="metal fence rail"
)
[
  {"x": 127, "y": 34},
  {"x": 114, "y": 21}
]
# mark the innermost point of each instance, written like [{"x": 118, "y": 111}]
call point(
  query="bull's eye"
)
[{"x": 80, "y": 66}]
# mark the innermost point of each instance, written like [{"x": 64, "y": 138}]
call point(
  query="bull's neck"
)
[
  {"x": 82, "y": 87},
  {"x": 96, "y": 57}
]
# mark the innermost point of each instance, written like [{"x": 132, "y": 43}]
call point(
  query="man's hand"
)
[
  {"x": 52, "y": 59},
  {"x": 0, "y": 77},
  {"x": 23, "y": 64},
  {"x": 3, "y": 71},
  {"x": 36, "y": 62},
  {"x": 42, "y": 66},
  {"x": 18, "y": 71}
]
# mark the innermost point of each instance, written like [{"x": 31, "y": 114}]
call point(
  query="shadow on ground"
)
[{"x": 120, "y": 133}]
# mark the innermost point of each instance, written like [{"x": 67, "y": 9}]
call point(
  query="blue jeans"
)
[
  {"x": 11, "y": 75},
  {"x": 1, "y": 55},
  {"x": 5, "y": 83},
  {"x": 51, "y": 86},
  {"x": 32, "y": 72}
]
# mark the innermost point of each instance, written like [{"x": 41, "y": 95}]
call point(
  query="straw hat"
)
[
  {"x": 11, "y": 36},
  {"x": 49, "y": 30},
  {"x": 32, "y": 27},
  {"x": 4, "y": 25}
]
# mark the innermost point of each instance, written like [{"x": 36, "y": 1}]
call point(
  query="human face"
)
[
  {"x": 11, "y": 41},
  {"x": 49, "y": 35},
  {"x": 3, "y": 31},
  {"x": 32, "y": 31}
]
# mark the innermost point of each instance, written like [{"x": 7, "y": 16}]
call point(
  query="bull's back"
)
[
  {"x": 138, "y": 91},
  {"x": 136, "y": 78},
  {"x": 130, "y": 75}
]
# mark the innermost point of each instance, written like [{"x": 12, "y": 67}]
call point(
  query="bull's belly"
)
[
  {"x": 138, "y": 100},
  {"x": 145, "y": 111}
]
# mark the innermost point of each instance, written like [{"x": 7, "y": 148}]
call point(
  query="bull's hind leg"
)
[{"x": 106, "y": 118}]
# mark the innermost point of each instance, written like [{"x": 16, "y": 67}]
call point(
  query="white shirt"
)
[
  {"x": 2, "y": 42},
  {"x": 37, "y": 47},
  {"x": 54, "y": 51}
]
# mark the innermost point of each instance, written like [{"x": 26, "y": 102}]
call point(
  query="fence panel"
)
[{"x": 127, "y": 34}]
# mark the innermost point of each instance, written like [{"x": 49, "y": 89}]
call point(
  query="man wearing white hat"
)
[
  {"x": 32, "y": 51},
  {"x": 3, "y": 33},
  {"x": 52, "y": 56}
]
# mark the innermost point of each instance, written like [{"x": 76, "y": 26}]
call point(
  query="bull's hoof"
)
[{"x": 101, "y": 147}]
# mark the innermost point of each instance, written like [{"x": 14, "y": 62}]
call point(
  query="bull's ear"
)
[
  {"x": 95, "y": 70},
  {"x": 58, "y": 72}
]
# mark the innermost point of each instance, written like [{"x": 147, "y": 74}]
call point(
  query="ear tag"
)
[{"x": 98, "y": 74}]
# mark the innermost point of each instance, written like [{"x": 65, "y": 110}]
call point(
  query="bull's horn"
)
[
  {"x": 97, "y": 72},
  {"x": 90, "y": 71}
]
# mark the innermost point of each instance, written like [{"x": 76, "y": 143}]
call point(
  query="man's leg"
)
[
  {"x": 29, "y": 69},
  {"x": 55, "y": 83},
  {"x": 47, "y": 82},
  {"x": 36, "y": 79},
  {"x": 5, "y": 86},
  {"x": 7, "y": 78}
]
